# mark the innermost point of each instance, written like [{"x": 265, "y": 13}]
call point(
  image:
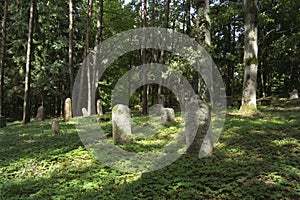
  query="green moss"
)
[
  {"x": 250, "y": 61},
  {"x": 115, "y": 108}
]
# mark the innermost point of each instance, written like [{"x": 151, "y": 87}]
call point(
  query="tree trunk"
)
[
  {"x": 204, "y": 38},
  {"x": 144, "y": 60},
  {"x": 163, "y": 53},
  {"x": 2, "y": 56},
  {"x": 203, "y": 22},
  {"x": 250, "y": 56},
  {"x": 97, "y": 44},
  {"x": 71, "y": 68},
  {"x": 26, "y": 106},
  {"x": 188, "y": 16}
]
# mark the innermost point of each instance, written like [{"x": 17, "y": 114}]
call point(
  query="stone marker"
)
[
  {"x": 68, "y": 110},
  {"x": 55, "y": 126},
  {"x": 156, "y": 110},
  {"x": 197, "y": 125},
  {"x": 99, "y": 108},
  {"x": 294, "y": 94},
  {"x": 121, "y": 124},
  {"x": 40, "y": 113},
  {"x": 167, "y": 115}
]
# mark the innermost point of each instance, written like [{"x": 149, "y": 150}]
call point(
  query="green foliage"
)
[{"x": 257, "y": 157}]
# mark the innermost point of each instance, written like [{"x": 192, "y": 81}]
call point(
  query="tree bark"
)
[
  {"x": 26, "y": 106},
  {"x": 97, "y": 44},
  {"x": 2, "y": 56},
  {"x": 250, "y": 56},
  {"x": 144, "y": 59},
  {"x": 163, "y": 53},
  {"x": 71, "y": 68}
]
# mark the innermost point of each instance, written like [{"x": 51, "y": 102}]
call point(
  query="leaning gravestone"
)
[
  {"x": 40, "y": 113},
  {"x": 294, "y": 94},
  {"x": 197, "y": 127},
  {"x": 121, "y": 124},
  {"x": 99, "y": 108},
  {"x": 68, "y": 109}
]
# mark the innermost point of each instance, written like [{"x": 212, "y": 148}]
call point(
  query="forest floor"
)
[{"x": 256, "y": 157}]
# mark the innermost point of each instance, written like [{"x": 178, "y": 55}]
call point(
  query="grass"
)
[{"x": 256, "y": 157}]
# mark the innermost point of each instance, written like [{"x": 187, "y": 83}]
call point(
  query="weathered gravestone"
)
[
  {"x": 121, "y": 124},
  {"x": 40, "y": 113},
  {"x": 68, "y": 110},
  {"x": 99, "y": 108},
  {"x": 167, "y": 115},
  {"x": 294, "y": 94},
  {"x": 55, "y": 126},
  {"x": 197, "y": 128}
]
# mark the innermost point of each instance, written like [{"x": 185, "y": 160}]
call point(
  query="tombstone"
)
[
  {"x": 197, "y": 127},
  {"x": 2, "y": 121},
  {"x": 40, "y": 113},
  {"x": 84, "y": 112},
  {"x": 68, "y": 110},
  {"x": 162, "y": 100},
  {"x": 99, "y": 108},
  {"x": 55, "y": 126},
  {"x": 156, "y": 110},
  {"x": 294, "y": 94},
  {"x": 121, "y": 124},
  {"x": 167, "y": 115}
]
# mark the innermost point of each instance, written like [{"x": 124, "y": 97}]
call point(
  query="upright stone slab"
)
[
  {"x": 99, "y": 108},
  {"x": 167, "y": 115},
  {"x": 197, "y": 126},
  {"x": 68, "y": 110},
  {"x": 294, "y": 94},
  {"x": 40, "y": 113},
  {"x": 55, "y": 126},
  {"x": 121, "y": 124}
]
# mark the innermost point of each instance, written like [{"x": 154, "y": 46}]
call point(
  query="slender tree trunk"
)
[
  {"x": 163, "y": 53},
  {"x": 2, "y": 56},
  {"x": 144, "y": 59},
  {"x": 188, "y": 16},
  {"x": 26, "y": 106},
  {"x": 97, "y": 45},
  {"x": 71, "y": 68},
  {"x": 250, "y": 56},
  {"x": 86, "y": 70}
]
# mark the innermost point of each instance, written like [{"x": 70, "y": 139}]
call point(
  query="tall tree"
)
[
  {"x": 26, "y": 105},
  {"x": 163, "y": 53},
  {"x": 2, "y": 56},
  {"x": 97, "y": 43},
  {"x": 204, "y": 38},
  {"x": 71, "y": 68},
  {"x": 250, "y": 55},
  {"x": 144, "y": 58}
]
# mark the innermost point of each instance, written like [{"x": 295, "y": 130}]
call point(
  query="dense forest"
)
[{"x": 45, "y": 42}]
